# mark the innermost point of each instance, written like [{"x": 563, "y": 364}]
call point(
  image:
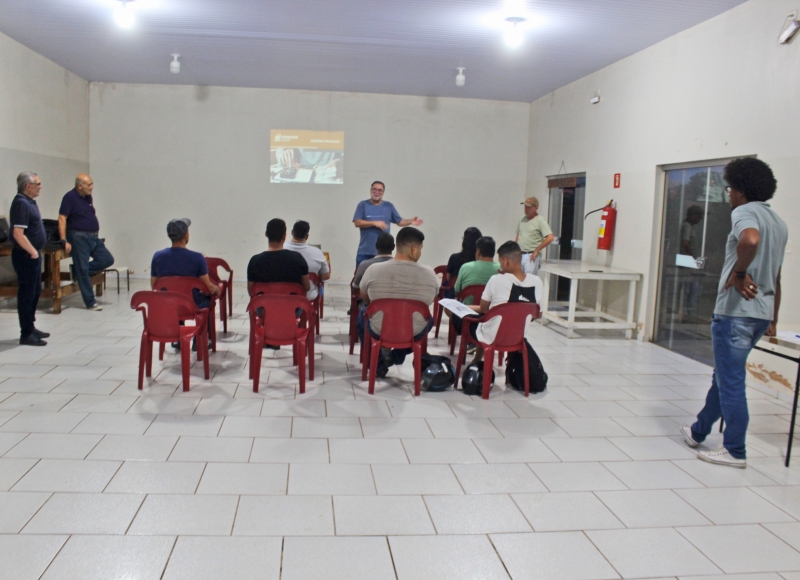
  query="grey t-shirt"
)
[
  {"x": 362, "y": 267},
  {"x": 400, "y": 279},
  {"x": 316, "y": 262},
  {"x": 773, "y": 235}
]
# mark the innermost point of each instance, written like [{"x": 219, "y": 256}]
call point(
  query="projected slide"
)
[{"x": 306, "y": 156}]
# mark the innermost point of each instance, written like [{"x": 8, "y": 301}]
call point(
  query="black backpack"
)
[{"x": 515, "y": 371}]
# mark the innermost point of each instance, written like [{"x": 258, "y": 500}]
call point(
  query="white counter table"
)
[{"x": 594, "y": 319}]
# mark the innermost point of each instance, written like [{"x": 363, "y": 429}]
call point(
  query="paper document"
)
[
  {"x": 788, "y": 336},
  {"x": 685, "y": 261},
  {"x": 457, "y": 308}
]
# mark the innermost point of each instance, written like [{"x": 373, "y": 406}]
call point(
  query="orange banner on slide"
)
[{"x": 307, "y": 139}]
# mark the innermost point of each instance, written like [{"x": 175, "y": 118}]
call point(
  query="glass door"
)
[
  {"x": 565, "y": 216},
  {"x": 697, "y": 221}
]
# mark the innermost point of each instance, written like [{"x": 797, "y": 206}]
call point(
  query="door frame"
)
[
  {"x": 577, "y": 175},
  {"x": 654, "y": 298}
]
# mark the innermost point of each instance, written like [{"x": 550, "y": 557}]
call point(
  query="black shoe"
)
[
  {"x": 386, "y": 357},
  {"x": 40, "y": 334},
  {"x": 32, "y": 340},
  {"x": 272, "y": 346},
  {"x": 176, "y": 345},
  {"x": 382, "y": 372}
]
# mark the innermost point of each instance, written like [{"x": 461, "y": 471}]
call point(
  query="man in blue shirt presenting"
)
[{"x": 373, "y": 217}]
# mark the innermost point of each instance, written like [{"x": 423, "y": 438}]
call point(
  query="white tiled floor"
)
[{"x": 589, "y": 480}]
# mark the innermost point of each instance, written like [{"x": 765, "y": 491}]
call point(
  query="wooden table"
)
[
  {"x": 768, "y": 344},
  {"x": 575, "y": 271},
  {"x": 52, "y": 277}
]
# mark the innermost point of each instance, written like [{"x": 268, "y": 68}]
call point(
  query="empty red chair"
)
[
  {"x": 397, "y": 331},
  {"x": 185, "y": 285},
  {"x": 447, "y": 284},
  {"x": 225, "y": 287},
  {"x": 475, "y": 291},
  {"x": 510, "y": 338},
  {"x": 163, "y": 312},
  {"x": 273, "y": 320}
]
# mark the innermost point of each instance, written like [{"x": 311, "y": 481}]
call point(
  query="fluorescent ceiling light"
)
[
  {"x": 124, "y": 16},
  {"x": 514, "y": 35}
]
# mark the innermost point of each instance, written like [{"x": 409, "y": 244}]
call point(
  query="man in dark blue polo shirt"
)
[
  {"x": 78, "y": 228},
  {"x": 374, "y": 216},
  {"x": 29, "y": 239}
]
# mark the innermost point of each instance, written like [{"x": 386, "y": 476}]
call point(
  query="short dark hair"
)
[
  {"x": 385, "y": 243},
  {"x": 752, "y": 177},
  {"x": 300, "y": 230},
  {"x": 276, "y": 230},
  {"x": 510, "y": 250},
  {"x": 409, "y": 236},
  {"x": 695, "y": 210},
  {"x": 485, "y": 246},
  {"x": 375, "y": 182}
]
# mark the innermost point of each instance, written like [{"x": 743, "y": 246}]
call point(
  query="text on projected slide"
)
[{"x": 306, "y": 156}]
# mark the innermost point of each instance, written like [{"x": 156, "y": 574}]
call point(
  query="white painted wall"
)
[
  {"x": 722, "y": 89},
  {"x": 44, "y": 127},
  {"x": 159, "y": 152}
]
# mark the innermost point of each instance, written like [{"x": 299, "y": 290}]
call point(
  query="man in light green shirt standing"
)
[{"x": 533, "y": 236}]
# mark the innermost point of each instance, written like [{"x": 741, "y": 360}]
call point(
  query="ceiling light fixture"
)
[
  {"x": 514, "y": 35},
  {"x": 124, "y": 16},
  {"x": 175, "y": 65},
  {"x": 460, "y": 78}
]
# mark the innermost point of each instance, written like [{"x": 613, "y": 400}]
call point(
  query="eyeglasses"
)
[{"x": 376, "y": 190}]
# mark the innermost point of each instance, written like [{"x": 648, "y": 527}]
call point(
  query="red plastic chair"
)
[
  {"x": 162, "y": 313},
  {"x": 397, "y": 331},
  {"x": 476, "y": 291},
  {"x": 446, "y": 285},
  {"x": 225, "y": 286},
  {"x": 278, "y": 325},
  {"x": 317, "y": 302},
  {"x": 273, "y": 289},
  {"x": 184, "y": 285},
  {"x": 510, "y": 338}
]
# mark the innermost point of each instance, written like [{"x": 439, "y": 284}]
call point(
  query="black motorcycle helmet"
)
[
  {"x": 472, "y": 380},
  {"x": 438, "y": 375}
]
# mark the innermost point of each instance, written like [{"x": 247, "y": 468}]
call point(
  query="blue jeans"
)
[
  {"x": 87, "y": 245},
  {"x": 398, "y": 354},
  {"x": 733, "y": 338},
  {"x": 29, "y": 280},
  {"x": 361, "y": 257}
]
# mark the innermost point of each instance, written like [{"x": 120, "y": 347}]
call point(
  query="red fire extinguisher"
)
[{"x": 608, "y": 222}]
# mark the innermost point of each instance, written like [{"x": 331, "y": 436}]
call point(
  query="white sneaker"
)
[
  {"x": 96, "y": 307},
  {"x": 687, "y": 435},
  {"x": 722, "y": 457}
]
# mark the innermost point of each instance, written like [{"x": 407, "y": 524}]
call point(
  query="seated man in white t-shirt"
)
[
  {"x": 317, "y": 264},
  {"x": 510, "y": 285}
]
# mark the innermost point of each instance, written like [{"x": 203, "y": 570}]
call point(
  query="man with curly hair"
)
[{"x": 747, "y": 306}]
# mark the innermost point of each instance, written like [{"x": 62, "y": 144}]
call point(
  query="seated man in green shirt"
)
[{"x": 477, "y": 272}]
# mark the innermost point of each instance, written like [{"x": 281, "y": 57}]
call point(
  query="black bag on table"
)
[
  {"x": 515, "y": 371},
  {"x": 51, "y": 230},
  {"x": 5, "y": 230}
]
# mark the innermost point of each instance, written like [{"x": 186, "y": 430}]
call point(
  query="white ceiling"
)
[{"x": 409, "y": 47}]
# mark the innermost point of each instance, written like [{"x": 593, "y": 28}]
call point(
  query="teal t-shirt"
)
[
  {"x": 477, "y": 272},
  {"x": 764, "y": 267}
]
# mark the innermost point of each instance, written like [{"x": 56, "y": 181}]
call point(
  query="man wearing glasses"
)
[
  {"x": 29, "y": 239},
  {"x": 373, "y": 217}
]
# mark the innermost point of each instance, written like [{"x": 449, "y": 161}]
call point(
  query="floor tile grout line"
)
[
  {"x": 497, "y": 552},
  {"x": 53, "y": 559},
  {"x": 169, "y": 557}
]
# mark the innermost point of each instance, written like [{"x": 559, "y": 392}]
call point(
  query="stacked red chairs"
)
[
  {"x": 510, "y": 338},
  {"x": 163, "y": 312}
]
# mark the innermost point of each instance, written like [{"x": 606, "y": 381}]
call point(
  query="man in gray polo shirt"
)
[{"x": 748, "y": 300}]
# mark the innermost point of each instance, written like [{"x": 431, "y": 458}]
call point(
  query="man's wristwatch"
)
[
  {"x": 63, "y": 243},
  {"x": 740, "y": 275}
]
